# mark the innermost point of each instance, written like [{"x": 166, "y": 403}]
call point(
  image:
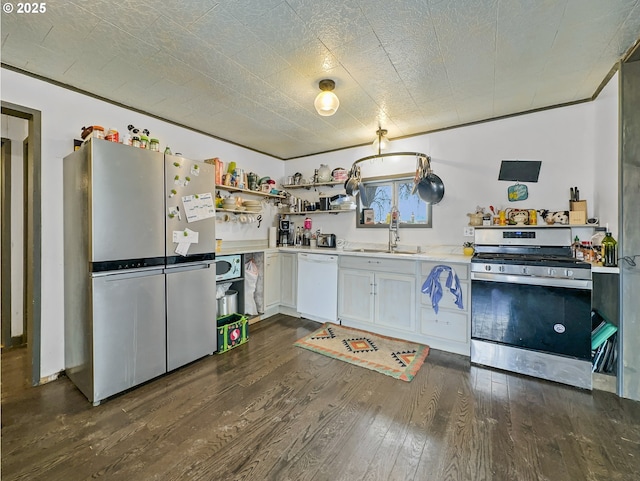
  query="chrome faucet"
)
[{"x": 394, "y": 222}]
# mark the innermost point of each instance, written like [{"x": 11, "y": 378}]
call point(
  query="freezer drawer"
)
[
  {"x": 191, "y": 313},
  {"x": 129, "y": 337}
]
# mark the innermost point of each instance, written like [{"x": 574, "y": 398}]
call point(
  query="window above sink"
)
[{"x": 381, "y": 193}]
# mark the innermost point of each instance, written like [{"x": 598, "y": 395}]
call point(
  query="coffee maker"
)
[{"x": 285, "y": 233}]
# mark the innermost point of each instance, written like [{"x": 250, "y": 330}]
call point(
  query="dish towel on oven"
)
[{"x": 433, "y": 288}]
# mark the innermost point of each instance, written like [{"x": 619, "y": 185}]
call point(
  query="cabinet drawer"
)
[
  {"x": 448, "y": 300},
  {"x": 461, "y": 269},
  {"x": 378, "y": 264},
  {"x": 445, "y": 325}
]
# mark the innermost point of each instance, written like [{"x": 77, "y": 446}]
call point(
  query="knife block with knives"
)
[{"x": 577, "y": 208}]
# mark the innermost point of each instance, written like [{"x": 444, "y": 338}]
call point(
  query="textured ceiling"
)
[{"x": 248, "y": 71}]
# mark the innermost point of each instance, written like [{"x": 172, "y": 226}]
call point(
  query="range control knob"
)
[
  {"x": 487, "y": 267},
  {"x": 568, "y": 273},
  {"x": 525, "y": 270},
  {"x": 501, "y": 268},
  {"x": 552, "y": 272}
]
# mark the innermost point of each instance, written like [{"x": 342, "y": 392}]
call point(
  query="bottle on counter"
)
[
  {"x": 576, "y": 250},
  {"x": 609, "y": 251}
]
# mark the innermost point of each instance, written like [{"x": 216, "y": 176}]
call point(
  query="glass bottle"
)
[
  {"x": 609, "y": 251},
  {"x": 575, "y": 248}
]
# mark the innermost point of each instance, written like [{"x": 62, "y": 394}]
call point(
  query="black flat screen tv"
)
[{"x": 520, "y": 170}]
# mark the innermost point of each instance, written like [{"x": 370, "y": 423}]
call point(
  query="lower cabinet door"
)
[
  {"x": 396, "y": 301},
  {"x": 272, "y": 279},
  {"x": 449, "y": 325},
  {"x": 289, "y": 279},
  {"x": 355, "y": 295}
]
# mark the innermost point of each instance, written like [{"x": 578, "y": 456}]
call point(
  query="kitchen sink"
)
[{"x": 381, "y": 251}]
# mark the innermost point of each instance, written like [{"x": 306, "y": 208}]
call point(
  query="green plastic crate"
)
[{"x": 233, "y": 330}]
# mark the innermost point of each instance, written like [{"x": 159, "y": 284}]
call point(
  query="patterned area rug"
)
[{"x": 393, "y": 357}]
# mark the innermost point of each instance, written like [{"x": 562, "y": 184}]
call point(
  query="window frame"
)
[{"x": 393, "y": 179}]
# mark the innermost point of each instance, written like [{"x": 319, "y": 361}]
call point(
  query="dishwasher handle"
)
[{"x": 318, "y": 258}]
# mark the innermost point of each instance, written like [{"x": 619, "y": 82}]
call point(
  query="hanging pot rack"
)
[{"x": 433, "y": 196}]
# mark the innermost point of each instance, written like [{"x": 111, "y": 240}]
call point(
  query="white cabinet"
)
[
  {"x": 395, "y": 301},
  {"x": 378, "y": 295},
  {"x": 355, "y": 295},
  {"x": 450, "y": 328},
  {"x": 272, "y": 277},
  {"x": 288, "y": 279}
]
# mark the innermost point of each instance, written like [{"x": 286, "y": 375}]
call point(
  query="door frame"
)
[
  {"x": 32, "y": 235},
  {"x": 5, "y": 274}
]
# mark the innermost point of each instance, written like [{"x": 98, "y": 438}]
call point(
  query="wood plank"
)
[{"x": 270, "y": 411}]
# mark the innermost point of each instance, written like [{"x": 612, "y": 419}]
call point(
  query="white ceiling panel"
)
[{"x": 248, "y": 71}]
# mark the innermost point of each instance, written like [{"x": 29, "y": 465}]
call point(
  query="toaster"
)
[{"x": 327, "y": 240}]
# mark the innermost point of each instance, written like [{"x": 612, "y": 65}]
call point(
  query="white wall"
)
[
  {"x": 17, "y": 131},
  {"x": 64, "y": 113},
  {"x": 571, "y": 142},
  {"x": 578, "y": 146}
]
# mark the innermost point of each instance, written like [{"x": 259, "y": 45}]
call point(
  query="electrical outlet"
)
[{"x": 469, "y": 232}]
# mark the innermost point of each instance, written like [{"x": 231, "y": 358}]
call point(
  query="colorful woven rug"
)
[{"x": 393, "y": 357}]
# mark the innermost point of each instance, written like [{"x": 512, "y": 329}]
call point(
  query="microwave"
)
[{"x": 228, "y": 267}]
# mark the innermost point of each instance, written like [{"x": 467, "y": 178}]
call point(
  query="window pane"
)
[
  {"x": 412, "y": 209},
  {"x": 380, "y": 200}
]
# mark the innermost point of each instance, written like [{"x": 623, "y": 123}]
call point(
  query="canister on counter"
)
[
  {"x": 533, "y": 217},
  {"x": 503, "y": 217}
]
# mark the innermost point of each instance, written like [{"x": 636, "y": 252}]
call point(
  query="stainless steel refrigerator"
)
[{"x": 134, "y": 307}]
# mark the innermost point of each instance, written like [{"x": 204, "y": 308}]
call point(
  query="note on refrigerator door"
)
[
  {"x": 182, "y": 248},
  {"x": 198, "y": 206},
  {"x": 189, "y": 236}
]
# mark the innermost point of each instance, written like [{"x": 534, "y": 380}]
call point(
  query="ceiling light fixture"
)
[
  {"x": 381, "y": 142},
  {"x": 326, "y": 102}
]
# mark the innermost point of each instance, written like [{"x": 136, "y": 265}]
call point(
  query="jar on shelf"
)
[
  {"x": 135, "y": 141},
  {"x": 112, "y": 135},
  {"x": 154, "y": 144},
  {"x": 144, "y": 142}
]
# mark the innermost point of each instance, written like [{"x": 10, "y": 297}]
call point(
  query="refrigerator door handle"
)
[
  {"x": 128, "y": 273},
  {"x": 188, "y": 267}
]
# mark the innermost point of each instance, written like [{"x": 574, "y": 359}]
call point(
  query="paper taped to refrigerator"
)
[
  {"x": 182, "y": 248},
  {"x": 198, "y": 207},
  {"x": 185, "y": 236}
]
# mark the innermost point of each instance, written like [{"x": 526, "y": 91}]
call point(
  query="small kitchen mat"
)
[{"x": 393, "y": 357}]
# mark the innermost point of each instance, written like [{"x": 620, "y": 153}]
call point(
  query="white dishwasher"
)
[{"x": 318, "y": 287}]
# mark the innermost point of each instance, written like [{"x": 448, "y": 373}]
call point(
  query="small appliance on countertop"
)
[{"x": 327, "y": 240}]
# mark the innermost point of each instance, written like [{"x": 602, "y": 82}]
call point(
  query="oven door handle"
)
[{"x": 535, "y": 281}]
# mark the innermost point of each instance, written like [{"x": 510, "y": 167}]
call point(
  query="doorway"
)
[{"x": 30, "y": 295}]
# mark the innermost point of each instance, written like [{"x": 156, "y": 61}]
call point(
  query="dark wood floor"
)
[{"x": 270, "y": 411}]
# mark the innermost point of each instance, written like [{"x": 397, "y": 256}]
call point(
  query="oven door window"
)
[{"x": 549, "y": 319}]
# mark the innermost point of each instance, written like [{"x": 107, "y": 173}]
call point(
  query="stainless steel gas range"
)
[{"x": 531, "y": 304}]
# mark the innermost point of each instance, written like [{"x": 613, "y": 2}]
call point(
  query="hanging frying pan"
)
[
  {"x": 353, "y": 182},
  {"x": 430, "y": 187}
]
